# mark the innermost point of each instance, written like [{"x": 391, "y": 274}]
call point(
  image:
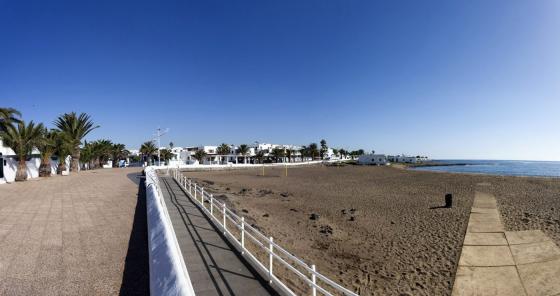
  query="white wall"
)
[
  {"x": 168, "y": 272},
  {"x": 33, "y": 165},
  {"x": 10, "y": 168},
  {"x": 372, "y": 159}
]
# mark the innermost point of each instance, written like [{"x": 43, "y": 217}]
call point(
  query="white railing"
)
[{"x": 316, "y": 281}]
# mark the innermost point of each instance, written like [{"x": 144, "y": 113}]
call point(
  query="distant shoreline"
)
[
  {"x": 496, "y": 168},
  {"x": 434, "y": 164}
]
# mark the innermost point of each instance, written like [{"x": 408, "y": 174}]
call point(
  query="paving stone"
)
[
  {"x": 541, "y": 278},
  {"x": 485, "y": 204},
  {"x": 526, "y": 237},
  {"x": 485, "y": 226},
  {"x": 40, "y": 225},
  {"x": 485, "y": 239},
  {"x": 481, "y": 281},
  {"x": 535, "y": 252},
  {"x": 482, "y": 210},
  {"x": 486, "y": 256},
  {"x": 485, "y": 217}
]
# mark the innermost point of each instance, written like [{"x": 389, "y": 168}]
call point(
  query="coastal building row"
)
[
  {"x": 382, "y": 159},
  {"x": 185, "y": 155}
]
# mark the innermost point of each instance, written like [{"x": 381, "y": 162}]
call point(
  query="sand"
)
[{"x": 379, "y": 229}]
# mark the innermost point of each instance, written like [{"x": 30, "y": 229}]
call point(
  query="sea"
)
[{"x": 497, "y": 167}]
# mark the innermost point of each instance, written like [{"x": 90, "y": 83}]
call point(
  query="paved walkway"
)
[
  {"x": 70, "y": 235},
  {"x": 214, "y": 267},
  {"x": 498, "y": 262}
]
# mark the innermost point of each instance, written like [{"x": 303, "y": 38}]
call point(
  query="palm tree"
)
[
  {"x": 289, "y": 154},
  {"x": 259, "y": 156},
  {"x": 102, "y": 152},
  {"x": 200, "y": 155},
  {"x": 244, "y": 150},
  {"x": 8, "y": 116},
  {"x": 47, "y": 147},
  {"x": 335, "y": 151},
  {"x": 86, "y": 156},
  {"x": 223, "y": 149},
  {"x": 166, "y": 155},
  {"x": 22, "y": 139},
  {"x": 76, "y": 127},
  {"x": 278, "y": 153},
  {"x": 324, "y": 148},
  {"x": 148, "y": 149},
  {"x": 312, "y": 149},
  {"x": 342, "y": 152},
  {"x": 303, "y": 152},
  {"x": 118, "y": 152},
  {"x": 62, "y": 148}
]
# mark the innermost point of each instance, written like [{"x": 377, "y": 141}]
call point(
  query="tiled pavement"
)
[
  {"x": 498, "y": 262},
  {"x": 67, "y": 235}
]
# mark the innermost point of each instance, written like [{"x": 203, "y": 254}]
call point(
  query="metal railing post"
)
[
  {"x": 270, "y": 258},
  {"x": 243, "y": 235},
  {"x": 190, "y": 190},
  {"x": 224, "y": 214},
  {"x": 212, "y": 205},
  {"x": 202, "y": 196},
  {"x": 194, "y": 191},
  {"x": 314, "y": 281}
]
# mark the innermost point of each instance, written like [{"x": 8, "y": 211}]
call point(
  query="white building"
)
[
  {"x": 375, "y": 159},
  {"x": 134, "y": 152},
  {"x": 406, "y": 159}
]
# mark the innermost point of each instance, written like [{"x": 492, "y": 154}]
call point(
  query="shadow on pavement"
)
[{"x": 136, "y": 275}]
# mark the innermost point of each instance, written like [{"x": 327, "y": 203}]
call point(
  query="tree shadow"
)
[{"x": 136, "y": 275}]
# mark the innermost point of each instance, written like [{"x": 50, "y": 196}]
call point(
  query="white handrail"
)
[{"x": 264, "y": 243}]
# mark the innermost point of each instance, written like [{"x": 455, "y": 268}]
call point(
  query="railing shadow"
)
[{"x": 136, "y": 275}]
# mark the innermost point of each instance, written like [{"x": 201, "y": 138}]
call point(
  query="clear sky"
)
[{"x": 448, "y": 79}]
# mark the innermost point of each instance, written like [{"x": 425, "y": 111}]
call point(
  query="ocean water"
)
[{"x": 499, "y": 167}]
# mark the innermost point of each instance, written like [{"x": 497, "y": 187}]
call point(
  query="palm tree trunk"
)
[
  {"x": 21, "y": 174},
  {"x": 45, "y": 167},
  {"x": 74, "y": 166},
  {"x": 61, "y": 165}
]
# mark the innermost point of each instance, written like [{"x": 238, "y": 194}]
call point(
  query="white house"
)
[
  {"x": 406, "y": 159},
  {"x": 375, "y": 159},
  {"x": 134, "y": 152}
]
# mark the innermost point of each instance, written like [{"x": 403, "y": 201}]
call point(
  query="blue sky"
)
[{"x": 448, "y": 79}]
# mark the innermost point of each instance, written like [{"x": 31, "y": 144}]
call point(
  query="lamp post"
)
[{"x": 158, "y": 135}]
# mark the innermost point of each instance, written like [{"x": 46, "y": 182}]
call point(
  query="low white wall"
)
[
  {"x": 10, "y": 168},
  {"x": 54, "y": 165},
  {"x": 168, "y": 273}
]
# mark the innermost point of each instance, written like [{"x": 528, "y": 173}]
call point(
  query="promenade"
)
[
  {"x": 498, "y": 262},
  {"x": 82, "y": 234},
  {"x": 214, "y": 267}
]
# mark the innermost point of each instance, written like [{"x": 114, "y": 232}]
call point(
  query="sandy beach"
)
[{"x": 380, "y": 229}]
